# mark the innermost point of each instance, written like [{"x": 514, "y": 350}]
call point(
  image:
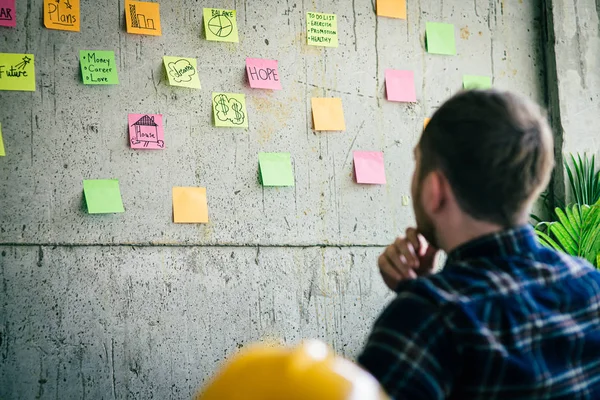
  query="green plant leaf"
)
[
  {"x": 569, "y": 226},
  {"x": 566, "y": 241}
]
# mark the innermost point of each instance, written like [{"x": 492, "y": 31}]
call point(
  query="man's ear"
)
[{"x": 434, "y": 194}]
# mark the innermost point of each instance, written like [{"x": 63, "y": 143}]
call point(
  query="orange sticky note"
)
[
  {"x": 63, "y": 15},
  {"x": 391, "y": 8},
  {"x": 328, "y": 114},
  {"x": 426, "y": 122},
  {"x": 143, "y": 18},
  {"x": 190, "y": 205}
]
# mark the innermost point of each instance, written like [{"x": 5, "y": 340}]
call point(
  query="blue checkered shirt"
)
[{"x": 505, "y": 319}]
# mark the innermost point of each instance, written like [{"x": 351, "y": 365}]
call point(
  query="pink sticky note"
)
[
  {"x": 369, "y": 167},
  {"x": 263, "y": 74},
  {"x": 146, "y": 131},
  {"x": 8, "y": 13},
  {"x": 400, "y": 86}
]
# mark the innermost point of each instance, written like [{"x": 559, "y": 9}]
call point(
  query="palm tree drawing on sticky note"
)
[{"x": 146, "y": 132}]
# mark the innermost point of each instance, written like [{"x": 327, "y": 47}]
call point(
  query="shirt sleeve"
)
[{"x": 411, "y": 351}]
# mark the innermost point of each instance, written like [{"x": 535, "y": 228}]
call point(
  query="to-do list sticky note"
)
[
  {"x": 328, "y": 114},
  {"x": 440, "y": 38},
  {"x": 263, "y": 74},
  {"x": 229, "y": 110},
  {"x": 103, "y": 196},
  {"x": 98, "y": 67},
  {"x": 190, "y": 205},
  {"x": 63, "y": 15},
  {"x": 400, "y": 86},
  {"x": 17, "y": 72},
  {"x": 369, "y": 167},
  {"x": 8, "y": 13},
  {"x": 471, "y": 82},
  {"x": 182, "y": 71},
  {"x": 275, "y": 169},
  {"x": 321, "y": 29},
  {"x": 220, "y": 25},
  {"x": 2, "y": 152},
  {"x": 391, "y": 8},
  {"x": 146, "y": 131},
  {"x": 142, "y": 18}
]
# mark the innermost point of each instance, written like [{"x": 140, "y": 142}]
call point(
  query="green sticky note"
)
[
  {"x": 229, "y": 110},
  {"x": 476, "y": 82},
  {"x": 2, "y": 152},
  {"x": 275, "y": 169},
  {"x": 220, "y": 25},
  {"x": 321, "y": 29},
  {"x": 17, "y": 72},
  {"x": 103, "y": 196},
  {"x": 98, "y": 67},
  {"x": 440, "y": 38},
  {"x": 182, "y": 71}
]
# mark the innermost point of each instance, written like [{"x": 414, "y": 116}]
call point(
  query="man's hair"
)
[{"x": 495, "y": 149}]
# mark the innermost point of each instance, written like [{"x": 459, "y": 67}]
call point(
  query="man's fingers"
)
[
  {"x": 418, "y": 241},
  {"x": 405, "y": 248}
]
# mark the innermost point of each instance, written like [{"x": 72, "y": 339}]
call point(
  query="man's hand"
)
[{"x": 407, "y": 258}]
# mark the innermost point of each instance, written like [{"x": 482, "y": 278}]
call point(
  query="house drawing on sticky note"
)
[{"x": 146, "y": 131}]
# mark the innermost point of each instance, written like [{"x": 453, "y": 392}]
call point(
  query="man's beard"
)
[{"x": 425, "y": 225}]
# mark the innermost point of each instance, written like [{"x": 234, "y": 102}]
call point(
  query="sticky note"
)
[
  {"x": 190, "y": 205},
  {"x": 182, "y": 71},
  {"x": 440, "y": 38},
  {"x": 426, "y": 122},
  {"x": 321, "y": 29},
  {"x": 142, "y": 18},
  {"x": 229, "y": 110},
  {"x": 391, "y": 8},
  {"x": 275, "y": 169},
  {"x": 477, "y": 82},
  {"x": 2, "y": 152},
  {"x": 263, "y": 74},
  {"x": 103, "y": 196},
  {"x": 328, "y": 114},
  {"x": 405, "y": 201},
  {"x": 17, "y": 72},
  {"x": 98, "y": 67},
  {"x": 400, "y": 86},
  {"x": 62, "y": 15},
  {"x": 369, "y": 167},
  {"x": 220, "y": 25},
  {"x": 8, "y": 13},
  {"x": 146, "y": 131}
]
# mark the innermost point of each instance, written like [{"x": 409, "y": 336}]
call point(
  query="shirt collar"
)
[{"x": 510, "y": 242}]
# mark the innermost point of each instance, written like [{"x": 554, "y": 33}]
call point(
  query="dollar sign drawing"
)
[
  {"x": 239, "y": 115},
  {"x": 221, "y": 101}
]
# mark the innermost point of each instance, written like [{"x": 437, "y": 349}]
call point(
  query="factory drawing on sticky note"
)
[{"x": 139, "y": 20}]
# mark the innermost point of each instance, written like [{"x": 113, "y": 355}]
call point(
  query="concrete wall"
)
[{"x": 133, "y": 306}]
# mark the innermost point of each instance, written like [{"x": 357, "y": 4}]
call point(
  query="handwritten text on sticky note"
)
[
  {"x": 369, "y": 167},
  {"x": 63, "y": 15},
  {"x": 182, "y": 71},
  {"x": 321, "y": 29},
  {"x": 143, "y": 18},
  {"x": 146, "y": 131},
  {"x": 8, "y": 13},
  {"x": 229, "y": 110},
  {"x": 17, "y": 72},
  {"x": 400, "y": 85},
  {"x": 98, "y": 67},
  {"x": 263, "y": 74},
  {"x": 220, "y": 25}
]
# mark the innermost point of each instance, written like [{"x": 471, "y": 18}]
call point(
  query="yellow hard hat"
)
[{"x": 308, "y": 372}]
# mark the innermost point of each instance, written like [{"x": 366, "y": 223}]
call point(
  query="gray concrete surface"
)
[{"x": 133, "y": 306}]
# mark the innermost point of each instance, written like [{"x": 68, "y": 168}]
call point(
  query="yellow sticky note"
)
[
  {"x": 17, "y": 72},
  {"x": 391, "y": 8},
  {"x": 405, "y": 200},
  {"x": 63, "y": 15},
  {"x": 220, "y": 25},
  {"x": 190, "y": 205},
  {"x": 143, "y": 18},
  {"x": 182, "y": 71},
  {"x": 2, "y": 152},
  {"x": 426, "y": 122},
  {"x": 229, "y": 110},
  {"x": 328, "y": 114}
]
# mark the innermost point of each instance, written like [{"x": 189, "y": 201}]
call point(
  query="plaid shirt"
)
[{"x": 505, "y": 319}]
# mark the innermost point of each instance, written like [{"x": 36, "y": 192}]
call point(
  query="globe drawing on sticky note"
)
[{"x": 220, "y": 26}]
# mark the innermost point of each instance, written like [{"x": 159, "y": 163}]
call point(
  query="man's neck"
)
[{"x": 464, "y": 231}]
